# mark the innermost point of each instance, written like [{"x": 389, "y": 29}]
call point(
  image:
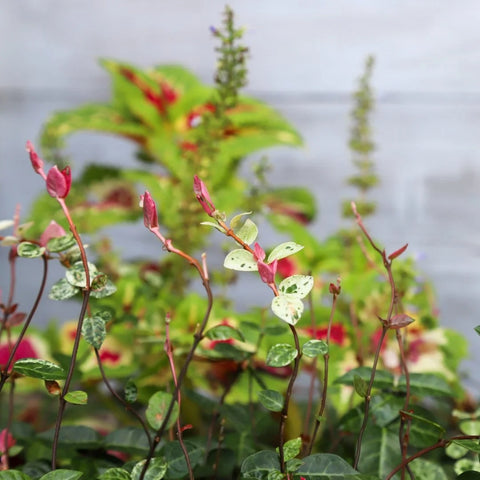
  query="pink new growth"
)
[
  {"x": 53, "y": 230},
  {"x": 37, "y": 162},
  {"x": 203, "y": 196},
  {"x": 150, "y": 216},
  {"x": 59, "y": 182},
  {"x": 266, "y": 270}
]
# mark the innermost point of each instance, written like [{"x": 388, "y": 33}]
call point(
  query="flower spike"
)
[
  {"x": 150, "y": 216},
  {"x": 203, "y": 196}
]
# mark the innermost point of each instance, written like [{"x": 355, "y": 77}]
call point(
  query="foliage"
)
[{"x": 347, "y": 374}]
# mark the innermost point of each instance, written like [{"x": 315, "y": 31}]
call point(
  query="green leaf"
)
[
  {"x": 240, "y": 260},
  {"x": 324, "y": 466},
  {"x": 78, "y": 436},
  {"x": 30, "y": 250},
  {"x": 313, "y": 348},
  {"x": 13, "y": 475},
  {"x": 291, "y": 448},
  {"x": 157, "y": 408},
  {"x": 155, "y": 471},
  {"x": 271, "y": 400},
  {"x": 94, "y": 331},
  {"x": 297, "y": 286},
  {"x": 99, "y": 281},
  {"x": 383, "y": 378},
  {"x": 477, "y": 329},
  {"x": 77, "y": 397},
  {"x": 224, "y": 332},
  {"x": 424, "y": 430},
  {"x": 425, "y": 470},
  {"x": 130, "y": 391},
  {"x": 108, "y": 289},
  {"x": 385, "y": 408},
  {"x": 175, "y": 458},
  {"x": 62, "y": 474},
  {"x": 453, "y": 450},
  {"x": 380, "y": 453},
  {"x": 289, "y": 309},
  {"x": 60, "y": 244},
  {"x": 471, "y": 445},
  {"x": 237, "y": 220},
  {"x": 248, "y": 232},
  {"x": 115, "y": 474},
  {"x": 38, "y": 368},
  {"x": 260, "y": 464},
  {"x": 360, "y": 385},
  {"x": 470, "y": 475},
  {"x": 76, "y": 274},
  {"x": 62, "y": 290},
  {"x": 424, "y": 384},
  {"x": 281, "y": 354},
  {"x": 284, "y": 250},
  {"x": 127, "y": 439}
]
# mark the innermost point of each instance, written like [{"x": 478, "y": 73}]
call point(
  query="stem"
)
[
  {"x": 326, "y": 358},
  {"x": 4, "y": 374},
  {"x": 284, "y": 414},
  {"x": 120, "y": 399}
]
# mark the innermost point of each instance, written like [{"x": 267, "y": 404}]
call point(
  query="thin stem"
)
[
  {"x": 326, "y": 358},
  {"x": 439, "y": 444},
  {"x": 284, "y": 413},
  {"x": 120, "y": 399},
  {"x": 4, "y": 374}
]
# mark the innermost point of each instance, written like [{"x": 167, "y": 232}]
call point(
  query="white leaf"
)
[
  {"x": 241, "y": 260},
  {"x": 248, "y": 233},
  {"x": 284, "y": 250},
  {"x": 289, "y": 309},
  {"x": 296, "y": 286}
]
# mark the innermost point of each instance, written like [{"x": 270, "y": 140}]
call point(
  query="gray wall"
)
[{"x": 306, "y": 56}]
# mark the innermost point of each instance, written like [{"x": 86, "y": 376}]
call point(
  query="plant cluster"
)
[{"x": 345, "y": 374}]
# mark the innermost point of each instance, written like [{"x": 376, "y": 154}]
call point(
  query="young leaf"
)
[
  {"x": 237, "y": 219},
  {"x": 62, "y": 290},
  {"x": 158, "y": 407},
  {"x": 284, "y": 250},
  {"x": 38, "y": 368},
  {"x": 289, "y": 309},
  {"x": 30, "y": 250},
  {"x": 77, "y": 397},
  {"x": 281, "y": 355},
  {"x": 248, "y": 232},
  {"x": 241, "y": 260},
  {"x": 400, "y": 321},
  {"x": 313, "y": 348},
  {"x": 94, "y": 331},
  {"x": 297, "y": 286},
  {"x": 271, "y": 400},
  {"x": 155, "y": 471},
  {"x": 62, "y": 474},
  {"x": 224, "y": 332}
]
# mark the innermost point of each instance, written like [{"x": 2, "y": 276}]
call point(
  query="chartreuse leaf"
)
[
  {"x": 224, "y": 332},
  {"x": 248, "y": 232},
  {"x": 314, "y": 348},
  {"x": 271, "y": 400},
  {"x": 60, "y": 244},
  {"x": 30, "y": 250},
  {"x": 281, "y": 355},
  {"x": 287, "y": 308},
  {"x": 62, "y": 290},
  {"x": 62, "y": 474},
  {"x": 38, "y": 368},
  {"x": 380, "y": 453},
  {"x": 13, "y": 475},
  {"x": 175, "y": 458},
  {"x": 284, "y": 250},
  {"x": 157, "y": 409},
  {"x": 240, "y": 260},
  {"x": 260, "y": 465},
  {"x": 115, "y": 474},
  {"x": 297, "y": 286},
  {"x": 77, "y": 397},
  {"x": 323, "y": 466},
  {"x": 94, "y": 331},
  {"x": 291, "y": 448},
  {"x": 155, "y": 471}
]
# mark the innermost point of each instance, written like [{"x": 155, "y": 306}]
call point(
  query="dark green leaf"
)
[
  {"x": 224, "y": 332},
  {"x": 14, "y": 475},
  {"x": 130, "y": 391},
  {"x": 30, "y": 250},
  {"x": 383, "y": 379},
  {"x": 177, "y": 466},
  {"x": 477, "y": 329},
  {"x": 426, "y": 470},
  {"x": 424, "y": 430},
  {"x": 271, "y": 400},
  {"x": 426, "y": 384},
  {"x": 281, "y": 354},
  {"x": 471, "y": 445},
  {"x": 471, "y": 475},
  {"x": 324, "y": 466},
  {"x": 62, "y": 474},
  {"x": 38, "y": 368},
  {"x": 260, "y": 464},
  {"x": 360, "y": 385},
  {"x": 157, "y": 409},
  {"x": 78, "y": 436},
  {"x": 313, "y": 348},
  {"x": 385, "y": 408},
  {"x": 94, "y": 331},
  {"x": 127, "y": 439}
]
